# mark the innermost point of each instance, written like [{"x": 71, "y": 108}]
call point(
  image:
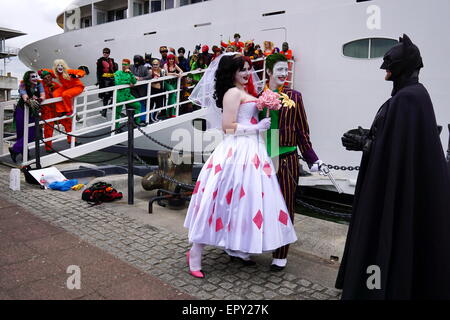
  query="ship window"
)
[
  {"x": 118, "y": 14},
  {"x": 380, "y": 46},
  {"x": 155, "y": 6},
  {"x": 101, "y": 17},
  {"x": 187, "y": 2},
  {"x": 169, "y": 4},
  {"x": 369, "y": 48},
  {"x": 138, "y": 9}
]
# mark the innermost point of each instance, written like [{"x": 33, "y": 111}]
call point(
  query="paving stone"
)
[
  {"x": 253, "y": 296},
  {"x": 275, "y": 279},
  {"x": 333, "y": 292},
  {"x": 317, "y": 287},
  {"x": 289, "y": 285},
  {"x": 304, "y": 283},
  {"x": 285, "y": 291},
  {"x": 319, "y": 296},
  {"x": 289, "y": 277},
  {"x": 226, "y": 285},
  {"x": 271, "y": 285},
  {"x": 220, "y": 293},
  {"x": 269, "y": 294},
  {"x": 257, "y": 289}
]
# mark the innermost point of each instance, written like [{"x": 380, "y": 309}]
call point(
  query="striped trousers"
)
[{"x": 288, "y": 174}]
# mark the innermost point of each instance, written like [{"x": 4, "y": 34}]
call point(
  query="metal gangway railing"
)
[{"x": 87, "y": 118}]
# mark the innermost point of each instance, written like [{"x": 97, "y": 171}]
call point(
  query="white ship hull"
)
[{"x": 339, "y": 92}]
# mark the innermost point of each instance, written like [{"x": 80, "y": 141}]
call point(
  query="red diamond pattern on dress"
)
[
  {"x": 242, "y": 193},
  {"x": 230, "y": 153},
  {"x": 229, "y": 226},
  {"x": 219, "y": 225},
  {"x": 267, "y": 169},
  {"x": 283, "y": 217},
  {"x": 258, "y": 219},
  {"x": 263, "y": 194},
  {"x": 210, "y": 220},
  {"x": 197, "y": 185},
  {"x": 256, "y": 161},
  {"x": 229, "y": 196},
  {"x": 210, "y": 164},
  {"x": 253, "y": 120},
  {"x": 203, "y": 190},
  {"x": 218, "y": 169},
  {"x": 215, "y": 195}
]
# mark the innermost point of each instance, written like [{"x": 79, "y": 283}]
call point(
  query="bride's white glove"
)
[{"x": 263, "y": 125}]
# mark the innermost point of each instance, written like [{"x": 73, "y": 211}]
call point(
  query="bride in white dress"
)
[{"x": 237, "y": 204}]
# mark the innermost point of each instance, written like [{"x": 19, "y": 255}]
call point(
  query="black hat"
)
[{"x": 402, "y": 59}]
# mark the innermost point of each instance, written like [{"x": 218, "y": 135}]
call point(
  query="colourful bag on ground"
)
[
  {"x": 100, "y": 192},
  {"x": 63, "y": 185}
]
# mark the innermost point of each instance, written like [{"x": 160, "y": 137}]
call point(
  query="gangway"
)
[{"x": 87, "y": 120}]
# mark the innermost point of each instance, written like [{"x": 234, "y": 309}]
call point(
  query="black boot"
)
[{"x": 13, "y": 154}]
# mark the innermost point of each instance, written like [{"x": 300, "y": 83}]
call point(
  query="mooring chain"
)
[
  {"x": 204, "y": 153},
  {"x": 345, "y": 216}
]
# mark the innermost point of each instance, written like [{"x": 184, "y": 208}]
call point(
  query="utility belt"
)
[{"x": 108, "y": 75}]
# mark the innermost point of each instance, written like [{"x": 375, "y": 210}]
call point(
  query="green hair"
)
[{"x": 272, "y": 59}]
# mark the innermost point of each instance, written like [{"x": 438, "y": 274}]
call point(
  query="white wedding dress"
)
[{"x": 237, "y": 202}]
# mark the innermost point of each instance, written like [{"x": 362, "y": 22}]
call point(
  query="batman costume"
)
[{"x": 401, "y": 211}]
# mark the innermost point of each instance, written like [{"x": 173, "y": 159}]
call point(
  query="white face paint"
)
[
  {"x": 279, "y": 73},
  {"x": 242, "y": 76},
  {"x": 60, "y": 68},
  {"x": 34, "y": 78}
]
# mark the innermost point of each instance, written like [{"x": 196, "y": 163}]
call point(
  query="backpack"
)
[{"x": 100, "y": 192}]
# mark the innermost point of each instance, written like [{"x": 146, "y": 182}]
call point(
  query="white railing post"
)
[
  {"x": 264, "y": 72},
  {"x": 292, "y": 73},
  {"x": 2, "y": 127},
  {"x": 147, "y": 109},
  {"x": 113, "y": 115},
  {"x": 84, "y": 110},
  {"x": 26, "y": 114},
  {"x": 74, "y": 122},
  {"x": 178, "y": 96}
]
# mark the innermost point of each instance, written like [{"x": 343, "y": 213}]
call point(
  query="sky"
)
[{"x": 36, "y": 18}]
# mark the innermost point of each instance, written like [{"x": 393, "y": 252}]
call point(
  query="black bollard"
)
[
  {"x": 37, "y": 139},
  {"x": 130, "y": 114},
  {"x": 448, "y": 148}
]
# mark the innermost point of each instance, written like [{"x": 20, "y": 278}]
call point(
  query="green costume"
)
[
  {"x": 274, "y": 124},
  {"x": 122, "y": 77},
  {"x": 169, "y": 86}
]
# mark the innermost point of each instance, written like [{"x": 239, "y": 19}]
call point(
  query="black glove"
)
[
  {"x": 355, "y": 139},
  {"x": 74, "y": 76}
]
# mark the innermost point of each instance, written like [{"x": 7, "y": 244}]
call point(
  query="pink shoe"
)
[{"x": 197, "y": 274}]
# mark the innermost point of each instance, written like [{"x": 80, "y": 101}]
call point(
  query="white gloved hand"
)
[
  {"x": 316, "y": 166},
  {"x": 263, "y": 125}
]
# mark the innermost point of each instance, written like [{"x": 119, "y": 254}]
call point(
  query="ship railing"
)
[{"x": 87, "y": 116}]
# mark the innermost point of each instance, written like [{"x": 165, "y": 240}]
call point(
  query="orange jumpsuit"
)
[
  {"x": 68, "y": 91},
  {"x": 49, "y": 112}
]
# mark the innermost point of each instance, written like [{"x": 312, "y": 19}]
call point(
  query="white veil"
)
[{"x": 203, "y": 93}]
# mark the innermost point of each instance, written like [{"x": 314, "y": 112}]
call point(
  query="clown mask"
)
[
  {"x": 279, "y": 73},
  {"x": 60, "y": 68},
  {"x": 34, "y": 78}
]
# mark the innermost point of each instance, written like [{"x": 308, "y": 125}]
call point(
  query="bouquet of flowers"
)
[
  {"x": 273, "y": 101},
  {"x": 269, "y": 100}
]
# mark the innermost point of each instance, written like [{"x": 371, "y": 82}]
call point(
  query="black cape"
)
[{"x": 401, "y": 211}]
